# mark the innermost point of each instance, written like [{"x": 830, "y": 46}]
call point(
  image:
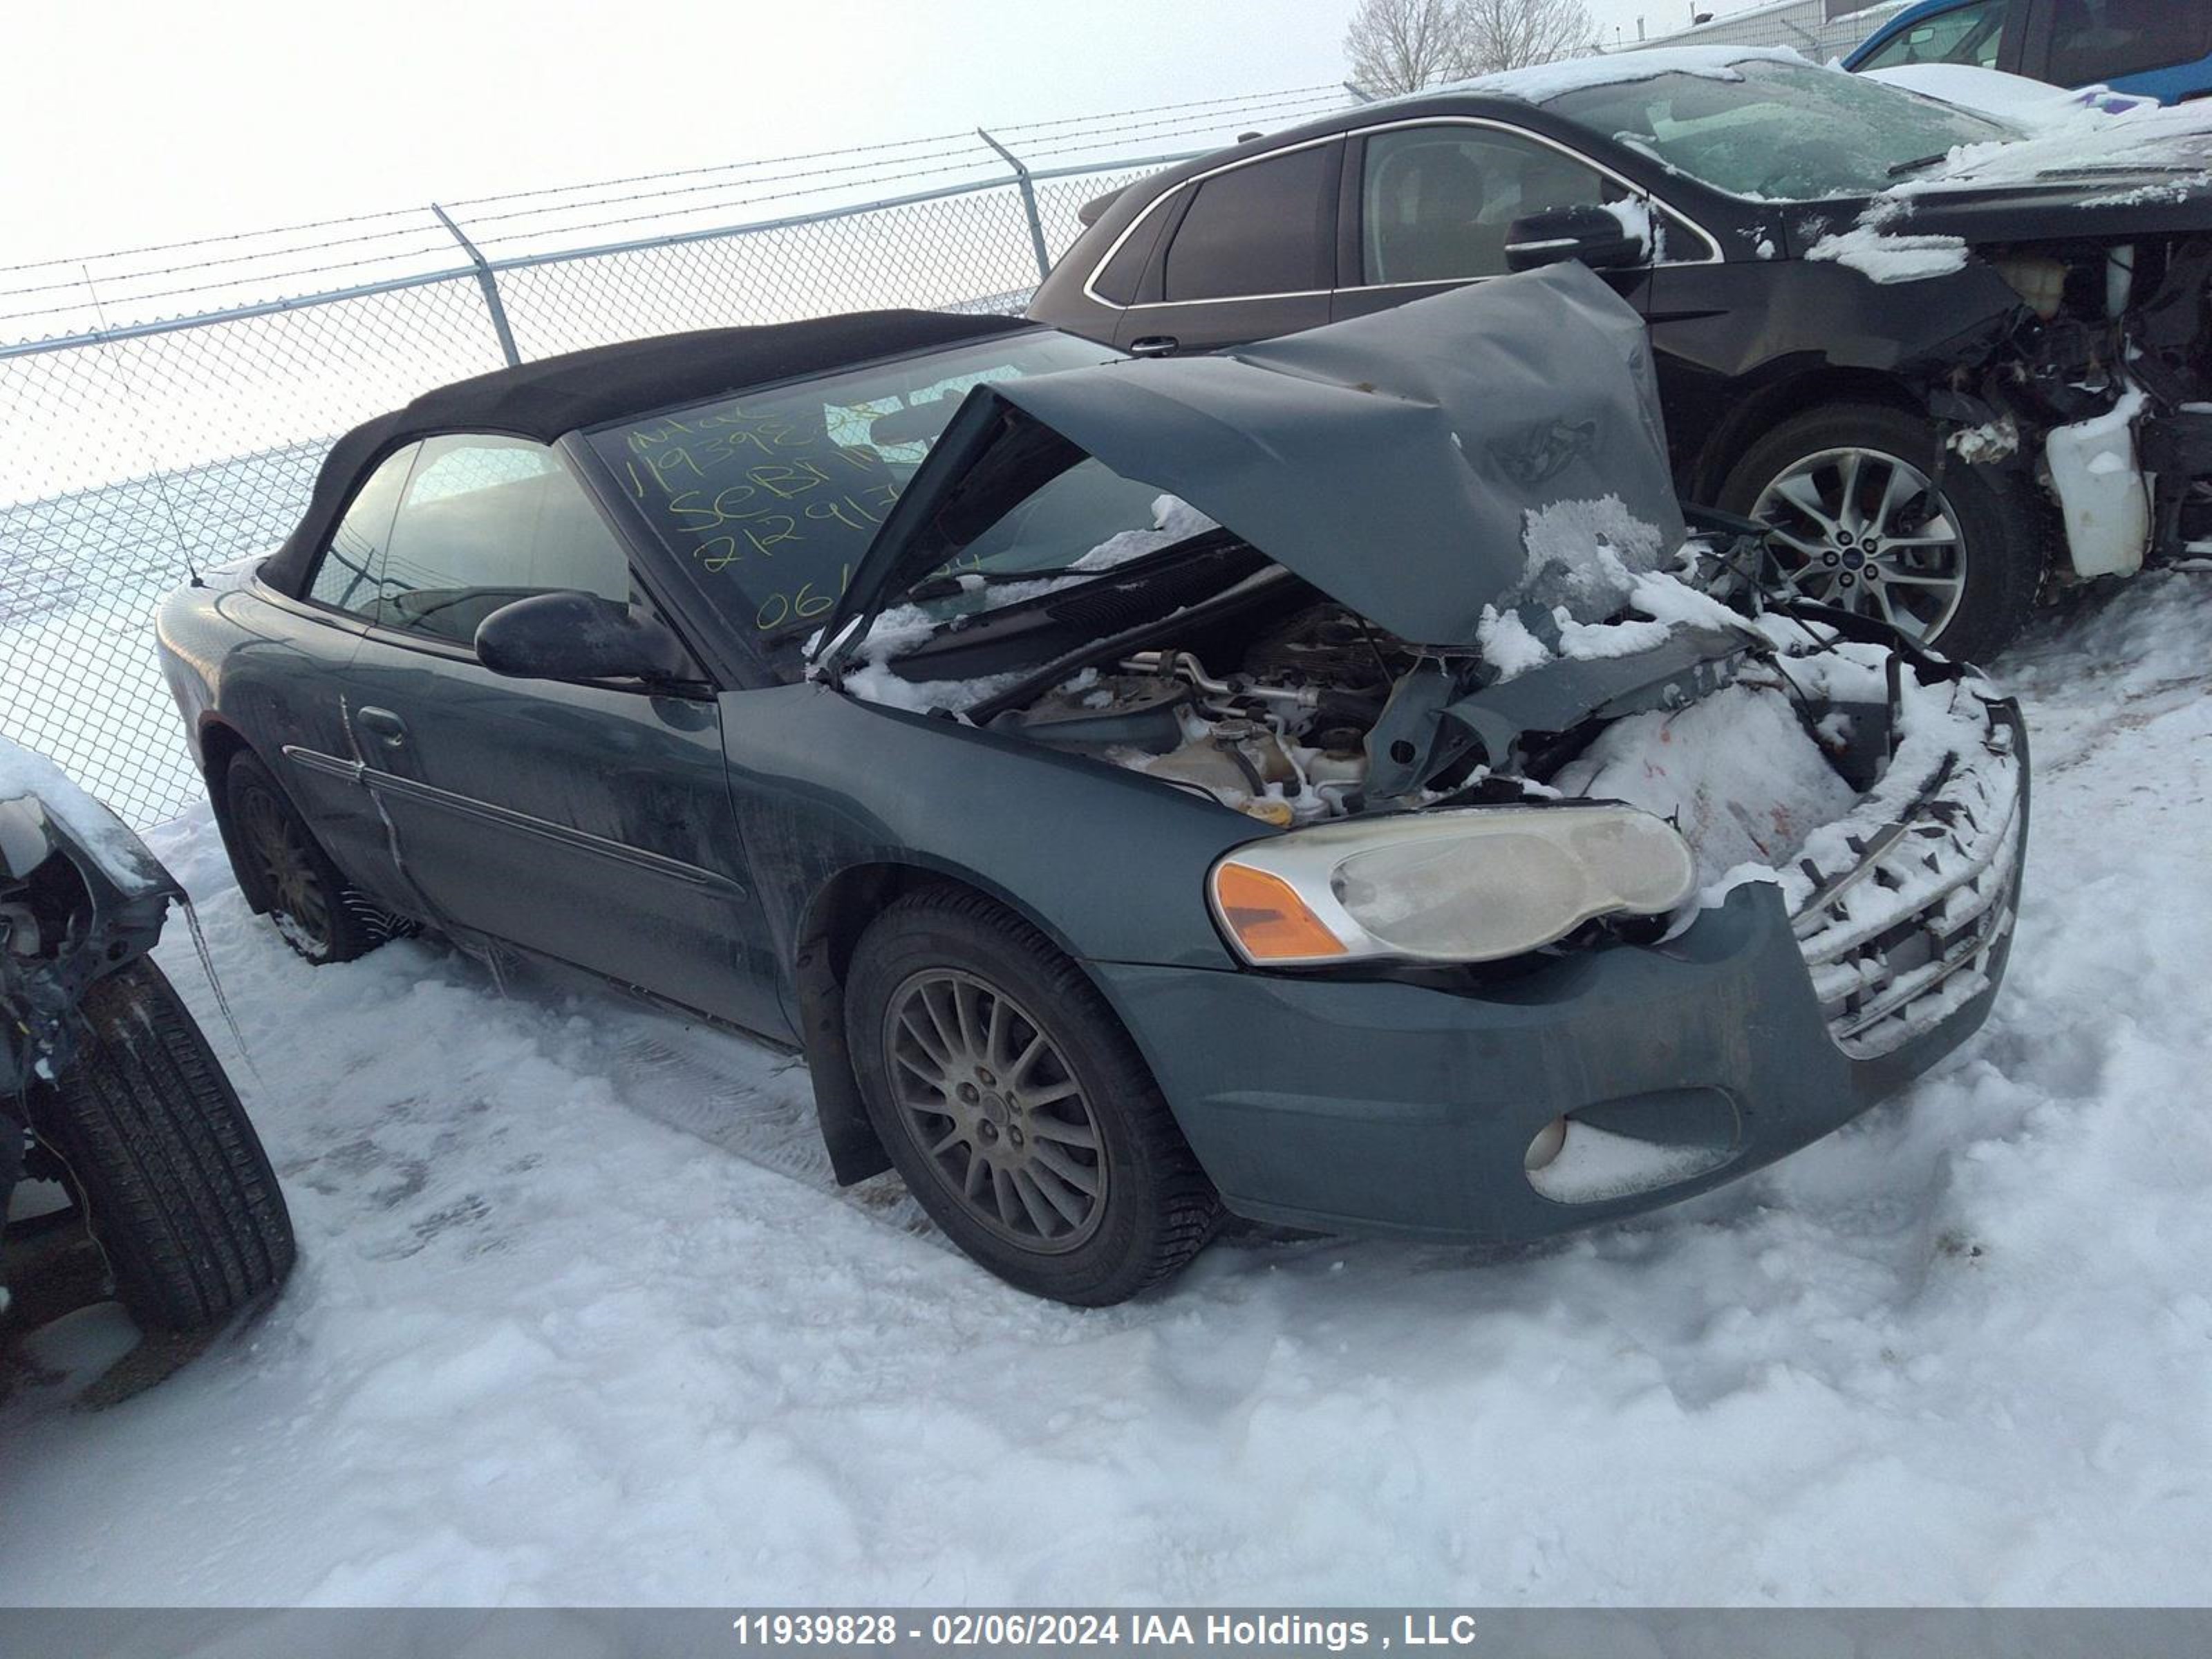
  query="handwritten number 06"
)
[{"x": 805, "y": 605}]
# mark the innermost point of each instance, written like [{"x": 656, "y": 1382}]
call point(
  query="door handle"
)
[
  {"x": 387, "y": 727},
  {"x": 1154, "y": 345}
]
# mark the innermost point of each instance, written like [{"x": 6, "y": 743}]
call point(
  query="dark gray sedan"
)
[{"x": 1294, "y": 783}]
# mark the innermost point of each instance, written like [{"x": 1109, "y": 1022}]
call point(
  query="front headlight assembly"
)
[{"x": 1473, "y": 884}]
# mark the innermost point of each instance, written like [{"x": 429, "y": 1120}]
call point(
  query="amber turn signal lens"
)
[{"x": 1271, "y": 922}]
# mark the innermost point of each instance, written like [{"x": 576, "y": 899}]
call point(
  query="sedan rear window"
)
[
  {"x": 1775, "y": 130},
  {"x": 1264, "y": 227}
]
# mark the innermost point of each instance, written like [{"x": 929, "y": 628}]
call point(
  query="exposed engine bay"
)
[
  {"x": 1276, "y": 701},
  {"x": 1278, "y": 733},
  {"x": 1296, "y": 711}
]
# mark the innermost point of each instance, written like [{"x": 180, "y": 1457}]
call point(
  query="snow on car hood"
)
[
  {"x": 2080, "y": 143},
  {"x": 2033, "y": 104},
  {"x": 2082, "y": 171},
  {"x": 1407, "y": 464}
]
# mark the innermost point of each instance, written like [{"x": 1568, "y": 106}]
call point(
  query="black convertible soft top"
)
[{"x": 549, "y": 396}]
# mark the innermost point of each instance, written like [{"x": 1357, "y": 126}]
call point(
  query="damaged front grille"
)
[{"x": 1909, "y": 930}]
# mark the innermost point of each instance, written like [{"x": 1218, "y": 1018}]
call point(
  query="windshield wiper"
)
[{"x": 1916, "y": 165}]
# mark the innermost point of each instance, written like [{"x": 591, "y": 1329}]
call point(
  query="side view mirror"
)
[
  {"x": 579, "y": 636},
  {"x": 1597, "y": 236}
]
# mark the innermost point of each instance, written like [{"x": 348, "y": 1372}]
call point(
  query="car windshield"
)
[
  {"x": 768, "y": 499},
  {"x": 1780, "y": 131}
]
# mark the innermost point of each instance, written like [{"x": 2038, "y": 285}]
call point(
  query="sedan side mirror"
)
[
  {"x": 579, "y": 636},
  {"x": 1597, "y": 236}
]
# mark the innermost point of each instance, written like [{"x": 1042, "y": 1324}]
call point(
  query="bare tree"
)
[
  {"x": 1504, "y": 34},
  {"x": 1402, "y": 46}
]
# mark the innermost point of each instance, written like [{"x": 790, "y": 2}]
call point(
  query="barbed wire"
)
[
  {"x": 1002, "y": 129},
  {"x": 355, "y": 263},
  {"x": 1332, "y": 86},
  {"x": 206, "y": 242},
  {"x": 76, "y": 283},
  {"x": 974, "y": 152},
  {"x": 1256, "y": 101},
  {"x": 572, "y": 214}
]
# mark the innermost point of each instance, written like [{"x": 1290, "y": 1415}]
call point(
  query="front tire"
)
[
  {"x": 1016, "y": 1107},
  {"x": 1869, "y": 512},
  {"x": 172, "y": 1178}
]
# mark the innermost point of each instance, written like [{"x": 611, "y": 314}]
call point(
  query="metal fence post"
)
[
  {"x": 489, "y": 284},
  {"x": 1029, "y": 203}
]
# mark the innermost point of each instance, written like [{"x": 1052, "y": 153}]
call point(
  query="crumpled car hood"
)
[{"x": 1392, "y": 460}]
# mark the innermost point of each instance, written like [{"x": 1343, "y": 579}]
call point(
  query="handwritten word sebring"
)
[
  {"x": 731, "y": 527},
  {"x": 762, "y": 508}
]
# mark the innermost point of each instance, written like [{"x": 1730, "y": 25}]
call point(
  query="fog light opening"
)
[{"x": 1546, "y": 1146}]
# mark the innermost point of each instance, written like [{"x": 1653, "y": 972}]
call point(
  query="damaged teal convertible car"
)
[{"x": 1311, "y": 783}]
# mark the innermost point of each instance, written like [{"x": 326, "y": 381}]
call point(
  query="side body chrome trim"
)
[{"x": 313, "y": 760}]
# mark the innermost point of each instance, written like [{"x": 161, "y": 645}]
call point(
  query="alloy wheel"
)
[
  {"x": 986, "y": 1094},
  {"x": 1865, "y": 530},
  {"x": 280, "y": 855}
]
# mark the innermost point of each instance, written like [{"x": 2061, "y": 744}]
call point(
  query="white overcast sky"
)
[{"x": 134, "y": 121}]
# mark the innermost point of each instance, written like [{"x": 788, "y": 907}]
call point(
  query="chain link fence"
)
[{"x": 165, "y": 409}]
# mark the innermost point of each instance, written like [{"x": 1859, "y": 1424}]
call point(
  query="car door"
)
[
  {"x": 290, "y": 693},
  {"x": 591, "y": 822},
  {"x": 1244, "y": 252},
  {"x": 1435, "y": 201}
]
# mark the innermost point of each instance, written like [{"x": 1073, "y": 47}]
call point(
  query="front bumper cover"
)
[{"x": 1386, "y": 1107}]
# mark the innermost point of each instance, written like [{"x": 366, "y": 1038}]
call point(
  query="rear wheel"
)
[
  {"x": 1016, "y": 1107},
  {"x": 283, "y": 870},
  {"x": 1868, "y": 512},
  {"x": 172, "y": 1179}
]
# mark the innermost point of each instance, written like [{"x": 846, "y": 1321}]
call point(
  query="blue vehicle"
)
[{"x": 2160, "y": 49}]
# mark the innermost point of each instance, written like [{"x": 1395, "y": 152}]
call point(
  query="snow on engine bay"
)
[{"x": 1748, "y": 774}]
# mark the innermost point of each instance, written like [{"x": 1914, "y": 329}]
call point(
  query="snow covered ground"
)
[{"x": 581, "y": 1319}]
